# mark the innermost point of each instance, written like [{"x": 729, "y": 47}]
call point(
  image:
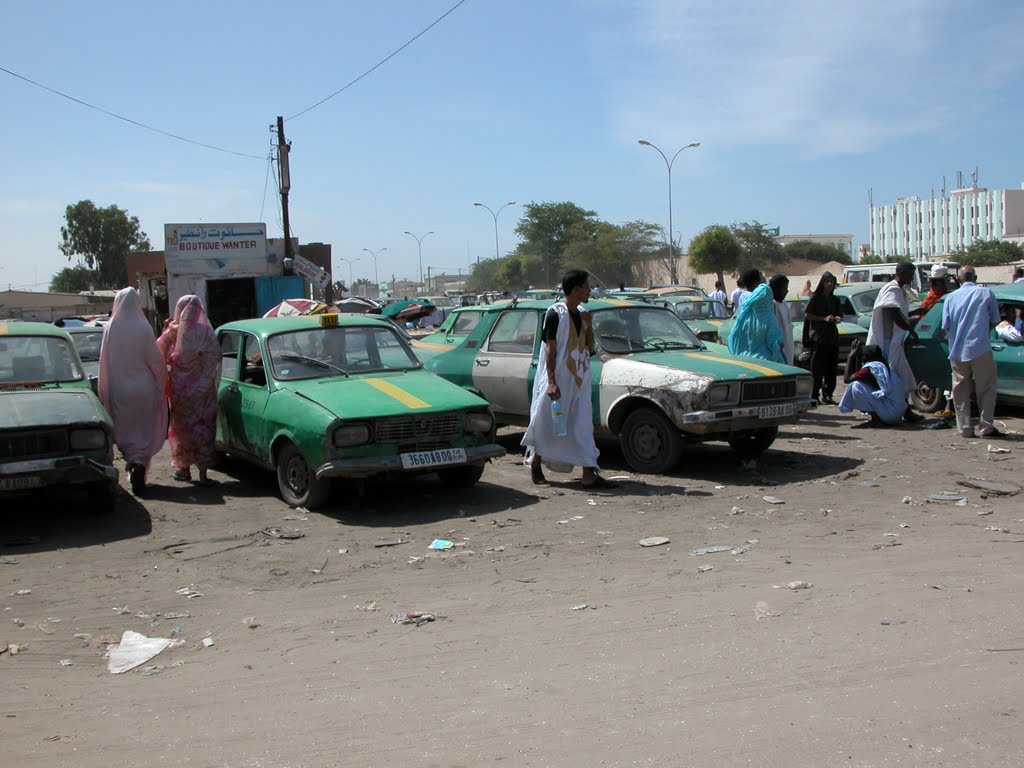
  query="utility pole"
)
[{"x": 283, "y": 148}]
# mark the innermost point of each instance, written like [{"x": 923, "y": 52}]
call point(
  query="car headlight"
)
[
  {"x": 803, "y": 385},
  {"x": 720, "y": 393},
  {"x": 87, "y": 439},
  {"x": 351, "y": 434},
  {"x": 479, "y": 422}
]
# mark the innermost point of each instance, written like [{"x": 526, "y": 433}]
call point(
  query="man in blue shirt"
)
[{"x": 968, "y": 316}]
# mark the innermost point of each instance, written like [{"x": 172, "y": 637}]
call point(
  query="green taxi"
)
[
  {"x": 659, "y": 389},
  {"x": 703, "y": 315},
  {"x": 315, "y": 398},
  {"x": 857, "y": 302},
  {"x": 929, "y": 355},
  {"x": 53, "y": 429}
]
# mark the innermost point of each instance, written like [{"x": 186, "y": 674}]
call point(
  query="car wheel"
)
[
  {"x": 461, "y": 477},
  {"x": 650, "y": 442},
  {"x": 102, "y": 497},
  {"x": 750, "y": 445},
  {"x": 926, "y": 399},
  {"x": 297, "y": 482}
]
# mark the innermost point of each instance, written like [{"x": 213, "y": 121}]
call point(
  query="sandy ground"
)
[{"x": 905, "y": 651}]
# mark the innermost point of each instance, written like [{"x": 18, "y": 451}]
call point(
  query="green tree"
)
[
  {"x": 615, "y": 254},
  {"x": 548, "y": 228},
  {"x": 101, "y": 239},
  {"x": 871, "y": 258},
  {"x": 991, "y": 253},
  {"x": 483, "y": 276},
  {"x": 715, "y": 249},
  {"x": 760, "y": 248},
  {"x": 809, "y": 250},
  {"x": 74, "y": 280}
]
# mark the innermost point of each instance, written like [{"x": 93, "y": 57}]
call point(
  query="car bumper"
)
[
  {"x": 741, "y": 418},
  {"x": 66, "y": 470},
  {"x": 367, "y": 466}
]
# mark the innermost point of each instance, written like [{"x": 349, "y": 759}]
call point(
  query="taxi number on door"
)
[{"x": 438, "y": 458}]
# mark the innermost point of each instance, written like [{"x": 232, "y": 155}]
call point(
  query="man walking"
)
[
  {"x": 563, "y": 375},
  {"x": 890, "y": 326},
  {"x": 779, "y": 285},
  {"x": 968, "y": 317},
  {"x": 719, "y": 292}
]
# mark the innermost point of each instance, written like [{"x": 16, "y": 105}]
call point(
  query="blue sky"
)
[{"x": 800, "y": 106}]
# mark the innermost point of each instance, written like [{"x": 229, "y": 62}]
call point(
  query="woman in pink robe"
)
[
  {"x": 190, "y": 349},
  {"x": 132, "y": 382}
]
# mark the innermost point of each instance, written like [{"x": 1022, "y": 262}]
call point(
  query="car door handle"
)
[
  {"x": 998, "y": 347},
  {"x": 233, "y": 389},
  {"x": 481, "y": 361}
]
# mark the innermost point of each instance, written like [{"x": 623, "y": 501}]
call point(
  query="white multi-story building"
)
[{"x": 925, "y": 229}]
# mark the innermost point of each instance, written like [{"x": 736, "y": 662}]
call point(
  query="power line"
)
[
  {"x": 266, "y": 182},
  {"x": 127, "y": 119},
  {"x": 382, "y": 62}
]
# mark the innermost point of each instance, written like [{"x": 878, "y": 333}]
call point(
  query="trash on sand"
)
[
  {"x": 653, "y": 541},
  {"x": 65, "y": 662},
  {"x": 176, "y": 630},
  {"x": 18, "y": 622},
  {"x": 441, "y": 544},
  {"x": 500, "y": 548},
  {"x": 278, "y": 572},
  {"x": 22, "y": 592},
  {"x": 994, "y": 529},
  {"x": 580, "y": 607},
  {"x": 885, "y": 544},
  {"x": 574, "y": 517},
  {"x": 413, "y": 559},
  {"x": 991, "y": 488},
  {"x": 764, "y": 611},
  {"x": 739, "y": 550},
  {"x": 772, "y": 500},
  {"x": 904, "y": 525},
  {"x": 946, "y": 496},
  {"x": 390, "y": 542},
  {"x": 909, "y": 500},
  {"x": 190, "y": 592},
  {"x": 868, "y": 484},
  {"x": 370, "y": 606},
  {"x": 984, "y": 512},
  {"x": 207, "y": 642},
  {"x": 13, "y": 648},
  {"x": 178, "y": 615},
  {"x": 997, "y": 449},
  {"x": 714, "y": 549},
  {"x": 4, "y": 560},
  {"x": 279, "y": 532},
  {"x": 736, "y": 511},
  {"x": 793, "y": 585},
  {"x": 133, "y": 650},
  {"x": 591, "y": 502},
  {"x": 412, "y": 617},
  {"x": 705, "y": 568}
]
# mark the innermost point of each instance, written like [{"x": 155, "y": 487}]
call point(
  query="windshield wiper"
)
[
  {"x": 662, "y": 345},
  {"x": 314, "y": 362}
]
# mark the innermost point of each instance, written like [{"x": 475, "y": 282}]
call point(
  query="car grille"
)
[
  {"x": 761, "y": 391},
  {"x": 27, "y": 445},
  {"x": 419, "y": 429}
]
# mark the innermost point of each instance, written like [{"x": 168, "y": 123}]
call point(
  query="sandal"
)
[
  {"x": 537, "y": 476},
  {"x": 182, "y": 476}
]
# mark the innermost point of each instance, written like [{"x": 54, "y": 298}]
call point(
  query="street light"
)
[
  {"x": 376, "y": 279},
  {"x": 495, "y": 216},
  {"x": 674, "y": 276},
  {"x": 419, "y": 248},
  {"x": 350, "y": 262}
]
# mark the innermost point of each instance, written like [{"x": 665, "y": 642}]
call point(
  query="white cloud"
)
[{"x": 827, "y": 78}]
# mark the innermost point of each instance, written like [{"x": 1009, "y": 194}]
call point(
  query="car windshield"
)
[
  {"x": 37, "y": 360},
  {"x": 88, "y": 344},
  {"x": 864, "y": 302},
  {"x": 637, "y": 329},
  {"x": 701, "y": 310},
  {"x": 797, "y": 309},
  {"x": 338, "y": 351}
]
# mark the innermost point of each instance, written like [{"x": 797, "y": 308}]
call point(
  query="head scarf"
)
[
  {"x": 756, "y": 332},
  {"x": 195, "y": 343},
  {"x": 825, "y": 277}
]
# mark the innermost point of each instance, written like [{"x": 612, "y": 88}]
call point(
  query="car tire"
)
[
  {"x": 461, "y": 477},
  {"x": 751, "y": 444},
  {"x": 102, "y": 497},
  {"x": 650, "y": 442},
  {"x": 926, "y": 399},
  {"x": 296, "y": 480}
]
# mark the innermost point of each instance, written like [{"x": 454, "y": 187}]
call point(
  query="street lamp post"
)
[
  {"x": 495, "y": 216},
  {"x": 674, "y": 275},
  {"x": 419, "y": 248},
  {"x": 376, "y": 279},
  {"x": 350, "y": 262}
]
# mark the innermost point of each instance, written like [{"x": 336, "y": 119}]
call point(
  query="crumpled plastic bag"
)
[{"x": 133, "y": 650}]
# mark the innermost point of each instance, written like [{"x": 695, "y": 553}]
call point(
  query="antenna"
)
[
  {"x": 943, "y": 187},
  {"x": 974, "y": 177}
]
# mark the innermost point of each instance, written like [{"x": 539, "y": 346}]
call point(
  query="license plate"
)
[
  {"x": 438, "y": 458},
  {"x": 777, "y": 411},
  {"x": 20, "y": 483}
]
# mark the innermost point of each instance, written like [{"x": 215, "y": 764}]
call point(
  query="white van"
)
[{"x": 883, "y": 273}]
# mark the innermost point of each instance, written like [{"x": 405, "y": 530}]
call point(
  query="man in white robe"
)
[
  {"x": 779, "y": 285},
  {"x": 890, "y": 327},
  {"x": 563, "y": 374}
]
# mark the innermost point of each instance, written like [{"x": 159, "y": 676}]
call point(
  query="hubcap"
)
[{"x": 647, "y": 443}]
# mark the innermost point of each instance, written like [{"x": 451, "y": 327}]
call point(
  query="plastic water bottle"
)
[{"x": 558, "y": 418}]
